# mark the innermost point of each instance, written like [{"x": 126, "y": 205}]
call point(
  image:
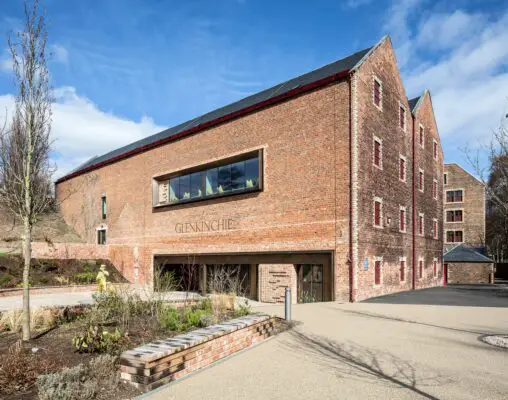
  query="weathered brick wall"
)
[
  {"x": 304, "y": 205},
  {"x": 426, "y": 247},
  {"x": 470, "y": 272},
  {"x": 473, "y": 206},
  {"x": 69, "y": 251},
  {"x": 383, "y": 183}
]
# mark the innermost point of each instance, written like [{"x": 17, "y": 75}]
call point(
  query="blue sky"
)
[{"x": 126, "y": 69}]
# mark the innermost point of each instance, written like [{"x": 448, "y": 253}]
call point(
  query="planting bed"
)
[{"x": 46, "y": 272}]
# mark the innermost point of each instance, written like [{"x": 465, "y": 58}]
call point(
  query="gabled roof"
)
[
  {"x": 311, "y": 80},
  {"x": 413, "y": 103},
  {"x": 466, "y": 254}
]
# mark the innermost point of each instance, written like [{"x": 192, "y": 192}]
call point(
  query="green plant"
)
[
  {"x": 84, "y": 277},
  {"x": 171, "y": 319},
  {"x": 5, "y": 279},
  {"x": 83, "y": 381},
  {"x": 243, "y": 309},
  {"x": 98, "y": 340}
]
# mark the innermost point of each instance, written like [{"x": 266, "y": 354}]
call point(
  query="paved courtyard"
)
[{"x": 396, "y": 347}]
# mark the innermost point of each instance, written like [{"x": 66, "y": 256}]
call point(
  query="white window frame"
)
[
  {"x": 422, "y": 187},
  {"x": 435, "y": 233},
  {"x": 380, "y": 106},
  {"x": 421, "y": 143},
  {"x": 423, "y": 224},
  {"x": 377, "y": 258},
  {"x": 404, "y": 258},
  {"x": 422, "y": 259},
  {"x": 454, "y": 230},
  {"x": 401, "y": 157},
  {"x": 380, "y": 200},
  {"x": 455, "y": 222},
  {"x": 403, "y": 208},
  {"x": 434, "y": 146},
  {"x": 402, "y": 106},
  {"x": 435, "y": 195},
  {"x": 435, "y": 260},
  {"x": 453, "y": 190},
  {"x": 380, "y": 141}
]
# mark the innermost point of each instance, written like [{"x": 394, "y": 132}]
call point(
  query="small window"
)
[
  {"x": 454, "y": 236},
  {"x": 455, "y": 196},
  {"x": 454, "y": 216},
  {"x": 402, "y": 168},
  {"x": 434, "y": 189},
  {"x": 421, "y": 180},
  {"x": 435, "y": 231},
  {"x": 421, "y": 224},
  {"x": 378, "y": 153},
  {"x": 402, "y": 219},
  {"x": 402, "y": 117},
  {"x": 420, "y": 268},
  {"x": 445, "y": 178},
  {"x": 104, "y": 207},
  {"x": 378, "y": 213},
  {"x": 434, "y": 149},
  {"x": 421, "y": 136},
  {"x": 378, "y": 93},
  {"x": 101, "y": 236},
  {"x": 377, "y": 271},
  {"x": 402, "y": 275}
]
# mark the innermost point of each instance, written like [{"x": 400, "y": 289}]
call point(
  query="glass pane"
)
[
  {"x": 174, "y": 190},
  {"x": 185, "y": 187},
  {"x": 224, "y": 179},
  {"x": 211, "y": 181},
  {"x": 252, "y": 173},
  {"x": 238, "y": 176},
  {"x": 196, "y": 190}
]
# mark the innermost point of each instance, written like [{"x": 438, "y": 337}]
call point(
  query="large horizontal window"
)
[{"x": 231, "y": 176}]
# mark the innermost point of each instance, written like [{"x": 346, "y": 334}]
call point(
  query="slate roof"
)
[
  {"x": 466, "y": 254},
  {"x": 330, "y": 70},
  {"x": 413, "y": 103}
]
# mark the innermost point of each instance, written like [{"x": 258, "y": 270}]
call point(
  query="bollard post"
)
[{"x": 287, "y": 304}]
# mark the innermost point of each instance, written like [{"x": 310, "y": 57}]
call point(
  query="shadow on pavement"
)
[
  {"x": 360, "y": 363},
  {"x": 452, "y": 295}
]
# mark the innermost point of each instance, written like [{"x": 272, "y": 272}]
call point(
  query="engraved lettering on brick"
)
[{"x": 222, "y": 224}]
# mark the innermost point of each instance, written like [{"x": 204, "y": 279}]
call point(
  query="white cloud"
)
[
  {"x": 59, "y": 53},
  {"x": 81, "y": 130},
  {"x": 356, "y": 3},
  {"x": 462, "y": 58}
]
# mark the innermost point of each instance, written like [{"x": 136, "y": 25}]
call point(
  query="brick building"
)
[
  {"x": 464, "y": 227},
  {"x": 464, "y": 207},
  {"x": 318, "y": 183}
]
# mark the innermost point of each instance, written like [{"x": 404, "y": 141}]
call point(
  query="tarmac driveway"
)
[{"x": 391, "y": 348}]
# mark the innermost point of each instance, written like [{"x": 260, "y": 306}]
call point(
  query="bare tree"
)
[
  {"x": 25, "y": 171},
  {"x": 495, "y": 178}
]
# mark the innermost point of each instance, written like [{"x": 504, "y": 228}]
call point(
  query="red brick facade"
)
[{"x": 319, "y": 184}]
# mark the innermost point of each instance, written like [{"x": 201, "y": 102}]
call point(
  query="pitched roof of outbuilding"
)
[
  {"x": 466, "y": 254},
  {"x": 413, "y": 102},
  {"x": 292, "y": 87}
]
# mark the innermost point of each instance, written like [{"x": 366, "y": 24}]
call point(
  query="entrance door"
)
[{"x": 310, "y": 282}]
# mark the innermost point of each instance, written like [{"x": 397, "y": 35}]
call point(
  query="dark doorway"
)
[
  {"x": 310, "y": 283},
  {"x": 185, "y": 277}
]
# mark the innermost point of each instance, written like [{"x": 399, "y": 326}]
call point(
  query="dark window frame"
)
[
  {"x": 104, "y": 207},
  {"x": 259, "y": 154},
  {"x": 102, "y": 240}
]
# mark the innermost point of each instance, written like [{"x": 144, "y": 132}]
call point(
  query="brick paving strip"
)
[{"x": 162, "y": 361}]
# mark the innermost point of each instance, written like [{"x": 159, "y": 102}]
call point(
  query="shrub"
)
[
  {"x": 98, "y": 340},
  {"x": 171, "y": 319},
  {"x": 243, "y": 309},
  {"x": 84, "y": 277},
  {"x": 5, "y": 279},
  {"x": 19, "y": 369},
  {"x": 80, "y": 382},
  {"x": 40, "y": 318}
]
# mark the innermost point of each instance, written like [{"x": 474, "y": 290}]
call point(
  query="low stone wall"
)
[
  {"x": 470, "y": 273},
  {"x": 163, "y": 361}
]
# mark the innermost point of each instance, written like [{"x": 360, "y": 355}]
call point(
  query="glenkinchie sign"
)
[{"x": 213, "y": 225}]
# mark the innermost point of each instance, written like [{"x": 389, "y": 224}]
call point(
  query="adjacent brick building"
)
[{"x": 318, "y": 183}]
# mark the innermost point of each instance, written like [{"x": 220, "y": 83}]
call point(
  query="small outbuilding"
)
[{"x": 466, "y": 264}]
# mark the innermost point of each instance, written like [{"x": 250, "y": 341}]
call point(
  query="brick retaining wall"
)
[{"x": 163, "y": 361}]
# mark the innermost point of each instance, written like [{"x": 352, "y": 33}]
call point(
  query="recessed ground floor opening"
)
[{"x": 257, "y": 276}]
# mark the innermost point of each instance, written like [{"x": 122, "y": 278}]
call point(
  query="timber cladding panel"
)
[{"x": 163, "y": 361}]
